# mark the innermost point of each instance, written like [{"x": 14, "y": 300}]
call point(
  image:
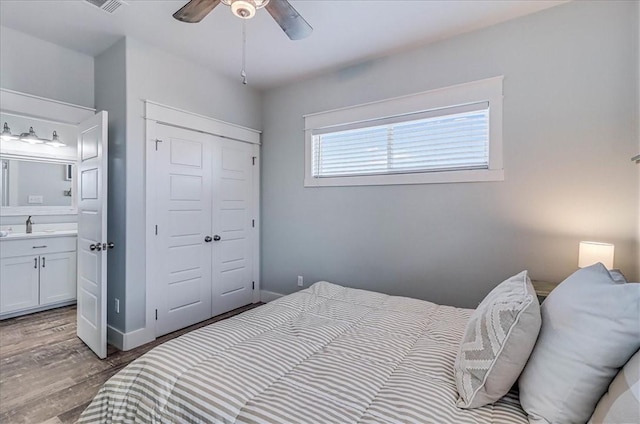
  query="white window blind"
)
[{"x": 446, "y": 139}]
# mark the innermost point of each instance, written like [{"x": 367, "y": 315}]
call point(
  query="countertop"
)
[{"x": 40, "y": 234}]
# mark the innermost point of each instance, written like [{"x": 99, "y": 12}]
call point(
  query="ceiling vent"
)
[{"x": 109, "y": 6}]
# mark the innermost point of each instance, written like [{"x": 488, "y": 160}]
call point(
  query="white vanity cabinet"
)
[{"x": 36, "y": 272}]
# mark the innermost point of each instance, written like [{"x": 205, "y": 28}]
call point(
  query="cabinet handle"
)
[
  {"x": 39, "y": 247},
  {"x": 43, "y": 261},
  {"x": 35, "y": 263}
]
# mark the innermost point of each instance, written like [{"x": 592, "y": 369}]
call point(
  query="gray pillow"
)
[
  {"x": 499, "y": 337},
  {"x": 590, "y": 329},
  {"x": 618, "y": 276}
]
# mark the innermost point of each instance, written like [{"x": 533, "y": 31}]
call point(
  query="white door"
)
[
  {"x": 183, "y": 217},
  {"x": 233, "y": 216},
  {"x": 19, "y": 283},
  {"x": 57, "y": 277},
  {"x": 92, "y": 233}
]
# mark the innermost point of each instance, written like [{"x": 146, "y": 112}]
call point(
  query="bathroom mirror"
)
[{"x": 34, "y": 186}]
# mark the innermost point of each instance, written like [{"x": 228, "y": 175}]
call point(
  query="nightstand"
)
[{"x": 543, "y": 288}]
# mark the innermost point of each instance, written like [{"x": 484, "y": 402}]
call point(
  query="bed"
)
[{"x": 327, "y": 354}]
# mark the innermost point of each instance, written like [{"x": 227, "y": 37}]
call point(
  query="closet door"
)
[
  {"x": 183, "y": 215},
  {"x": 233, "y": 211}
]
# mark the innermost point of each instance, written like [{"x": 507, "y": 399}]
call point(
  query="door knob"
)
[
  {"x": 97, "y": 246},
  {"x": 216, "y": 238},
  {"x": 208, "y": 239},
  {"x": 111, "y": 245},
  {"x": 92, "y": 247}
]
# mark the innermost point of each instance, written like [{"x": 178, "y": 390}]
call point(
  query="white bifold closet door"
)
[{"x": 203, "y": 214}]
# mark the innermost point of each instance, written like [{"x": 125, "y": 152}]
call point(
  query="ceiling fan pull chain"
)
[{"x": 243, "y": 73}]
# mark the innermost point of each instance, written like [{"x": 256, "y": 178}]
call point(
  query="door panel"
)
[
  {"x": 232, "y": 216},
  {"x": 92, "y": 230},
  {"x": 183, "y": 214}
]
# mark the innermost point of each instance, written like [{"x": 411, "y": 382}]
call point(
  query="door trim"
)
[{"x": 194, "y": 122}]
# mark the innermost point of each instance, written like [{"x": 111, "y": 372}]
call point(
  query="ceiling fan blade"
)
[
  {"x": 195, "y": 10},
  {"x": 289, "y": 19}
]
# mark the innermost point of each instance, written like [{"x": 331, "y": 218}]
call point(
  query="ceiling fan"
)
[{"x": 281, "y": 11}]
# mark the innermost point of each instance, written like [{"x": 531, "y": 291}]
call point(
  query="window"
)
[{"x": 446, "y": 135}]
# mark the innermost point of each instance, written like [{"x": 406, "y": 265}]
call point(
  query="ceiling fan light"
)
[{"x": 244, "y": 9}]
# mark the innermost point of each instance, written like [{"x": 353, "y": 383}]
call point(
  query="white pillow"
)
[
  {"x": 497, "y": 342},
  {"x": 590, "y": 328}
]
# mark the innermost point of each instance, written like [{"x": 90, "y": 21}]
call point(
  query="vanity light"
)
[
  {"x": 31, "y": 137},
  {"x": 6, "y": 133},
  {"x": 55, "y": 142}
]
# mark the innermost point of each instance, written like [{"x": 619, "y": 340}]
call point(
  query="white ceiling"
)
[{"x": 345, "y": 31}]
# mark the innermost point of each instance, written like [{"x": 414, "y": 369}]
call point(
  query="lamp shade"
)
[{"x": 591, "y": 252}]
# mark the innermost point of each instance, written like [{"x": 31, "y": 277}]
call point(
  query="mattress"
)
[{"x": 327, "y": 354}]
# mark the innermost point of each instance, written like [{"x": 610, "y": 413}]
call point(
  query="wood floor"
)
[{"x": 48, "y": 375}]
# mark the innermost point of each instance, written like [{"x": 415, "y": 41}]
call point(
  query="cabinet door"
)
[
  {"x": 18, "y": 283},
  {"x": 57, "y": 277}
]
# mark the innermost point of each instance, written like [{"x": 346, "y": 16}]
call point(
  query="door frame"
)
[{"x": 158, "y": 114}]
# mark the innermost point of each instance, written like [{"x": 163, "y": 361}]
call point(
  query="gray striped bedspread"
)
[{"x": 327, "y": 354}]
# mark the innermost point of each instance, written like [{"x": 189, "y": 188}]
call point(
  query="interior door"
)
[
  {"x": 183, "y": 232},
  {"x": 232, "y": 224},
  {"x": 92, "y": 233}
]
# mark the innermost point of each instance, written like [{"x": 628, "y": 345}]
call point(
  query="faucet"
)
[{"x": 29, "y": 225}]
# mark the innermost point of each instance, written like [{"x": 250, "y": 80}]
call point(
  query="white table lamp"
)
[{"x": 591, "y": 252}]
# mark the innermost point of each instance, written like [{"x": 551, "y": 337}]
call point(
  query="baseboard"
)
[
  {"x": 37, "y": 309},
  {"x": 268, "y": 296},
  {"x": 131, "y": 340},
  {"x": 115, "y": 337}
]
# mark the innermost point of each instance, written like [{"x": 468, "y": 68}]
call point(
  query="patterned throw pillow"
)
[
  {"x": 498, "y": 340},
  {"x": 621, "y": 404}
]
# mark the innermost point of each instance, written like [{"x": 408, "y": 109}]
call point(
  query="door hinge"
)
[
  {"x": 253, "y": 223},
  {"x": 157, "y": 141},
  {"x": 156, "y": 230},
  {"x": 156, "y": 315},
  {"x": 253, "y": 160}
]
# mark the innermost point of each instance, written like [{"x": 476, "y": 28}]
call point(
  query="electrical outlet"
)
[
  {"x": 117, "y": 305},
  {"x": 300, "y": 281},
  {"x": 35, "y": 199}
]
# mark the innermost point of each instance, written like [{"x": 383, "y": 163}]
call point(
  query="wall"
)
[
  {"x": 568, "y": 135},
  {"x": 152, "y": 74},
  {"x": 110, "y": 90},
  {"x": 41, "y": 68},
  {"x": 44, "y": 69}
]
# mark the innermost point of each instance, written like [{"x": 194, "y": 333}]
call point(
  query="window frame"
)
[{"x": 486, "y": 90}]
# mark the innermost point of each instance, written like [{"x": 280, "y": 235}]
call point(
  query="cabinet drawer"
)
[{"x": 36, "y": 246}]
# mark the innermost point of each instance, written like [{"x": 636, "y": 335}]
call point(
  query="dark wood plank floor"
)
[{"x": 48, "y": 375}]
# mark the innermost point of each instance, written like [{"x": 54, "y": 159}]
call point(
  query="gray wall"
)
[
  {"x": 147, "y": 73},
  {"x": 110, "y": 89},
  {"x": 570, "y": 108},
  {"x": 41, "y": 68},
  {"x": 38, "y": 67}
]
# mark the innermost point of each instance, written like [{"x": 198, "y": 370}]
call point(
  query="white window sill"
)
[{"x": 468, "y": 176}]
